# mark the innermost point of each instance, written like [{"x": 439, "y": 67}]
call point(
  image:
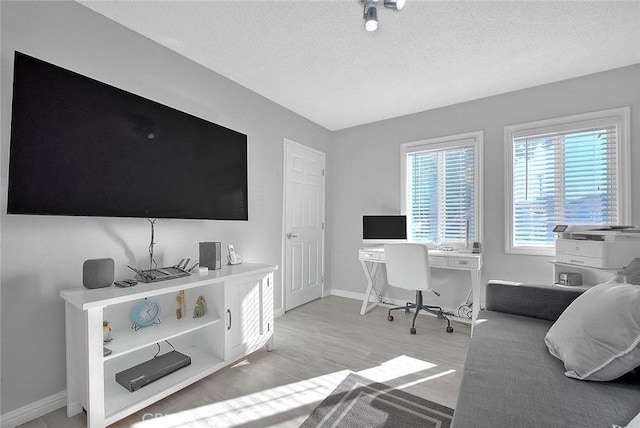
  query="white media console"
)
[{"x": 238, "y": 321}]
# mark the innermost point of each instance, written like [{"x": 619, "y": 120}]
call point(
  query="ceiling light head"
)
[
  {"x": 370, "y": 14},
  {"x": 371, "y": 19},
  {"x": 394, "y": 4}
]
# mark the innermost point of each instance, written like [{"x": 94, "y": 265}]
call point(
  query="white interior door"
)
[{"x": 303, "y": 224}]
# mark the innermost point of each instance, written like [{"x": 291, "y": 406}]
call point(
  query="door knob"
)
[{"x": 291, "y": 235}]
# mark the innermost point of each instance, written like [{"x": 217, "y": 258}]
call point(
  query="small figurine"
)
[
  {"x": 200, "y": 308},
  {"x": 181, "y": 307},
  {"x": 106, "y": 332}
]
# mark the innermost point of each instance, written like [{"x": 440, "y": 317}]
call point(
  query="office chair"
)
[{"x": 408, "y": 268}]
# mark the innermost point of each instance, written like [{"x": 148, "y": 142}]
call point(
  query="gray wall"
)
[
  {"x": 43, "y": 255},
  {"x": 364, "y": 167}
]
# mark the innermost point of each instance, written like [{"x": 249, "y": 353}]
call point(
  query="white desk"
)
[{"x": 438, "y": 259}]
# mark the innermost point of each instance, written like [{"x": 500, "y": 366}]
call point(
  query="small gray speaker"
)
[
  {"x": 98, "y": 273},
  {"x": 210, "y": 255}
]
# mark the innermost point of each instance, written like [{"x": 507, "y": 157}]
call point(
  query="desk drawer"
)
[
  {"x": 436, "y": 261},
  {"x": 369, "y": 255},
  {"x": 463, "y": 262}
]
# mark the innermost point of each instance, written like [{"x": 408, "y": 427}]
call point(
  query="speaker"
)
[
  {"x": 210, "y": 255},
  {"x": 98, "y": 273}
]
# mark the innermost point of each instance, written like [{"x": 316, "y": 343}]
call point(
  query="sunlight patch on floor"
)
[
  {"x": 425, "y": 379},
  {"x": 282, "y": 399},
  {"x": 396, "y": 368},
  {"x": 251, "y": 407}
]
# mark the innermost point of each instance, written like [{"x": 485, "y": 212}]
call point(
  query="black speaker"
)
[
  {"x": 98, "y": 273},
  {"x": 210, "y": 255}
]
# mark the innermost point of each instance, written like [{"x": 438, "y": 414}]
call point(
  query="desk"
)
[{"x": 438, "y": 259}]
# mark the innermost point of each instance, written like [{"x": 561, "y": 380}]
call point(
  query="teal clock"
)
[{"x": 145, "y": 313}]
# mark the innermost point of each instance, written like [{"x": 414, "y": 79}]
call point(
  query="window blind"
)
[
  {"x": 441, "y": 194},
  {"x": 563, "y": 177}
]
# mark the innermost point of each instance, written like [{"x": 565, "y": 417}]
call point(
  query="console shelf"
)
[
  {"x": 130, "y": 340},
  {"x": 120, "y": 401},
  {"x": 238, "y": 321}
]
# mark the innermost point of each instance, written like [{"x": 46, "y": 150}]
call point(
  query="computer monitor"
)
[{"x": 382, "y": 229}]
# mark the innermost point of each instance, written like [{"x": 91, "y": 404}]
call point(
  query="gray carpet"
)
[{"x": 360, "y": 402}]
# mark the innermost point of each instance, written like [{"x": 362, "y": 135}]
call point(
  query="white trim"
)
[
  {"x": 348, "y": 294},
  {"x": 475, "y": 138},
  {"x": 621, "y": 117},
  {"x": 389, "y": 303},
  {"x": 34, "y": 410}
]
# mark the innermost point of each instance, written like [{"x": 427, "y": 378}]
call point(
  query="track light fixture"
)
[
  {"x": 370, "y": 15},
  {"x": 394, "y": 4},
  {"x": 371, "y": 19}
]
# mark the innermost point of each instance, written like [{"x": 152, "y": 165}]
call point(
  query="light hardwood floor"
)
[{"x": 316, "y": 346}]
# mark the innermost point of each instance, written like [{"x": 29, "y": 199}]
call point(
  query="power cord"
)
[
  {"x": 152, "y": 262},
  {"x": 158, "y": 344}
]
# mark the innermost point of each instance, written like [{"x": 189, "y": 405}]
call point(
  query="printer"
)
[{"x": 605, "y": 247}]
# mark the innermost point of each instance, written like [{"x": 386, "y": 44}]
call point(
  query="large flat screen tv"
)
[{"x": 80, "y": 147}]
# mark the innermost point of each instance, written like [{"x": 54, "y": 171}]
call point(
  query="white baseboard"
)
[
  {"x": 388, "y": 303},
  {"x": 347, "y": 294},
  {"x": 360, "y": 296},
  {"x": 34, "y": 410}
]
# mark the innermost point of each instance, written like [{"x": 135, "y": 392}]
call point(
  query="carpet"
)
[{"x": 360, "y": 402}]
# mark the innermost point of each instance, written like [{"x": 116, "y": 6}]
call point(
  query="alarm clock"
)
[{"x": 144, "y": 313}]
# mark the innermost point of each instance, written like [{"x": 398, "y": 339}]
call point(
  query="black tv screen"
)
[
  {"x": 384, "y": 228},
  {"x": 80, "y": 147}
]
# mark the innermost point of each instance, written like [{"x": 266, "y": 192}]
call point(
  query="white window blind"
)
[
  {"x": 567, "y": 173},
  {"x": 441, "y": 192}
]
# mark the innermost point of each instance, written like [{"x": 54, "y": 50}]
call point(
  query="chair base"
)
[{"x": 418, "y": 306}]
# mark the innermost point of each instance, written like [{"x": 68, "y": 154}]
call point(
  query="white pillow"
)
[{"x": 597, "y": 336}]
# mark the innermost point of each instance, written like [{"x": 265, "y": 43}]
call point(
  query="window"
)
[
  {"x": 441, "y": 189},
  {"x": 571, "y": 170}
]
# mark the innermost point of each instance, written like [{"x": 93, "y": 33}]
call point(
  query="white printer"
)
[{"x": 607, "y": 247}]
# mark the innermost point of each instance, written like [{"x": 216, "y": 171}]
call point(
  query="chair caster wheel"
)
[
  {"x": 449, "y": 329},
  {"x": 390, "y": 318},
  {"x": 407, "y": 311},
  {"x": 412, "y": 330}
]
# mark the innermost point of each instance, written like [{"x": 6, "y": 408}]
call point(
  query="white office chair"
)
[{"x": 408, "y": 268}]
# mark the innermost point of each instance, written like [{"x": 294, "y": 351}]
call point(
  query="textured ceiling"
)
[{"x": 314, "y": 57}]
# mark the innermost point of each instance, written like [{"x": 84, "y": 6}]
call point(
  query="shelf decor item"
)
[
  {"x": 200, "y": 308},
  {"x": 106, "y": 332},
  {"x": 181, "y": 307},
  {"x": 145, "y": 313}
]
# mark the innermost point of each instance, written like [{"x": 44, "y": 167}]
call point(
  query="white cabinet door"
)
[{"x": 243, "y": 316}]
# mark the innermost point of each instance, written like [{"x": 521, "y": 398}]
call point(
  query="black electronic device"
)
[
  {"x": 143, "y": 374},
  {"x": 210, "y": 255},
  {"x": 80, "y": 147},
  {"x": 159, "y": 274},
  {"x": 384, "y": 228},
  {"x": 98, "y": 273},
  {"x": 125, "y": 283}
]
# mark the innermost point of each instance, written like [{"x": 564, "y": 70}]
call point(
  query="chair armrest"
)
[{"x": 537, "y": 301}]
